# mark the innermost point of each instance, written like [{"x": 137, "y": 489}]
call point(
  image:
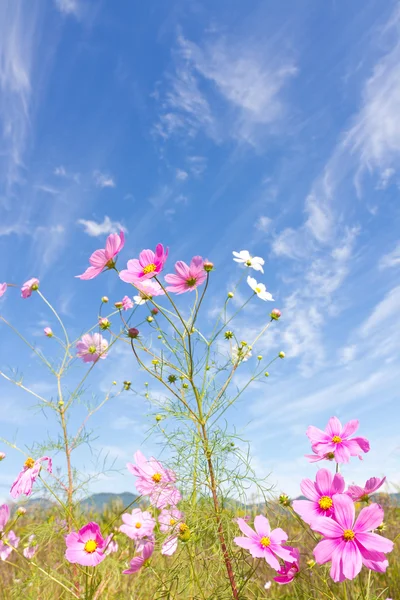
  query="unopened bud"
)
[
  {"x": 104, "y": 299},
  {"x": 154, "y": 311},
  {"x": 184, "y": 532},
  {"x": 104, "y": 323},
  {"x": 281, "y": 354},
  {"x": 159, "y": 337},
  {"x": 275, "y": 314},
  {"x": 127, "y": 385},
  {"x": 155, "y": 362},
  {"x": 243, "y": 343},
  {"x": 149, "y": 319},
  {"x": 48, "y": 332},
  {"x": 61, "y": 403},
  {"x": 114, "y": 383},
  {"x": 2, "y": 456},
  {"x": 381, "y": 527},
  {"x": 228, "y": 335},
  {"x": 158, "y": 418},
  {"x": 259, "y": 357},
  {"x": 310, "y": 563},
  {"x": 208, "y": 265},
  {"x": 266, "y": 374},
  {"x": 185, "y": 386},
  {"x": 133, "y": 332},
  {"x": 172, "y": 378},
  {"x": 284, "y": 500},
  {"x": 21, "y": 511},
  {"x": 230, "y": 294},
  {"x": 118, "y": 305},
  {"x": 35, "y": 287}
]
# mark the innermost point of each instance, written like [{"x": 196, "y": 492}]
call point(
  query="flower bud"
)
[
  {"x": 104, "y": 323},
  {"x": 104, "y": 299},
  {"x": 381, "y": 527},
  {"x": 310, "y": 563},
  {"x": 208, "y": 265},
  {"x": 133, "y": 332},
  {"x": 2, "y": 456},
  {"x": 118, "y": 305},
  {"x": 172, "y": 378},
  {"x": 154, "y": 311},
  {"x": 228, "y": 335},
  {"x": 21, "y": 511},
  {"x": 149, "y": 319},
  {"x": 159, "y": 337},
  {"x": 61, "y": 403},
  {"x": 185, "y": 386},
  {"x": 259, "y": 357},
  {"x": 284, "y": 500},
  {"x": 230, "y": 294},
  {"x": 155, "y": 362},
  {"x": 48, "y": 332},
  {"x": 281, "y": 354},
  {"x": 184, "y": 532},
  {"x": 127, "y": 385},
  {"x": 158, "y": 418},
  {"x": 114, "y": 383},
  {"x": 275, "y": 314},
  {"x": 243, "y": 343},
  {"x": 266, "y": 374}
]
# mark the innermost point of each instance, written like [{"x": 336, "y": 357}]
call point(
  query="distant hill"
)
[{"x": 97, "y": 502}]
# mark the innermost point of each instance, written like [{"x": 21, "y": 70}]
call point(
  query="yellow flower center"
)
[
  {"x": 156, "y": 477},
  {"x": 138, "y": 525},
  {"x": 191, "y": 282},
  {"x": 325, "y": 503},
  {"x": 257, "y": 290},
  {"x": 92, "y": 349},
  {"x": 172, "y": 521},
  {"x": 248, "y": 263},
  {"x": 348, "y": 535},
  {"x": 90, "y": 546},
  {"x": 149, "y": 268},
  {"x": 29, "y": 463},
  {"x": 265, "y": 542},
  {"x": 110, "y": 264},
  {"x": 336, "y": 439}
]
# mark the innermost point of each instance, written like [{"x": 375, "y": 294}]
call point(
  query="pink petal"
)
[
  {"x": 373, "y": 484},
  {"x": 328, "y": 527},
  {"x": 342, "y": 454},
  {"x": 369, "y": 518},
  {"x": 270, "y": 558},
  {"x": 317, "y": 435},
  {"x": 344, "y": 510},
  {"x": 308, "y": 511},
  {"x": 170, "y": 546},
  {"x": 278, "y": 536},
  {"x": 182, "y": 270},
  {"x": 350, "y": 428},
  {"x": 89, "y": 532},
  {"x": 323, "y": 550},
  {"x": 135, "y": 565},
  {"x": 379, "y": 566},
  {"x": 261, "y": 525},
  {"x": 363, "y": 444},
  {"x": 246, "y": 529},
  {"x": 351, "y": 559},
  {"x": 338, "y": 484},
  {"x": 375, "y": 542},
  {"x": 308, "y": 488},
  {"x": 90, "y": 273},
  {"x": 336, "y": 571},
  {"x": 284, "y": 552},
  {"x": 147, "y": 257},
  {"x": 98, "y": 259},
  {"x": 355, "y": 492},
  {"x": 114, "y": 244},
  {"x": 324, "y": 480},
  {"x": 245, "y": 542},
  {"x": 334, "y": 427}
]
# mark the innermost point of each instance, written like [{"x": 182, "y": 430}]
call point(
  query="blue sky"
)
[{"x": 211, "y": 127}]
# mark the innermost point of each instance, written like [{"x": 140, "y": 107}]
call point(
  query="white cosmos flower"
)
[
  {"x": 140, "y": 299},
  {"x": 244, "y": 257},
  {"x": 240, "y": 354},
  {"x": 259, "y": 289}
]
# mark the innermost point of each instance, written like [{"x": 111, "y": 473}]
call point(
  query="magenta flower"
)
[
  {"x": 336, "y": 439},
  {"x": 3, "y": 289},
  {"x": 30, "y": 550},
  {"x": 289, "y": 570},
  {"x": 148, "y": 265},
  {"x": 7, "y": 543},
  {"x": 350, "y": 545},
  {"x": 29, "y": 286},
  {"x": 92, "y": 347},
  {"x": 155, "y": 481},
  {"x": 319, "y": 495},
  {"x": 104, "y": 258},
  {"x": 264, "y": 543},
  {"x": 127, "y": 303},
  {"x": 359, "y": 494},
  {"x": 138, "y": 524},
  {"x": 25, "y": 480},
  {"x": 168, "y": 519},
  {"x": 137, "y": 563},
  {"x": 186, "y": 278},
  {"x": 48, "y": 332},
  {"x": 86, "y": 547}
]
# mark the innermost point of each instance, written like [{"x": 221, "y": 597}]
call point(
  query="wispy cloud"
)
[
  {"x": 62, "y": 172},
  {"x": 181, "y": 175},
  {"x": 69, "y": 7},
  {"x": 263, "y": 223},
  {"x": 103, "y": 180},
  {"x": 392, "y": 259},
  {"x": 95, "y": 229}
]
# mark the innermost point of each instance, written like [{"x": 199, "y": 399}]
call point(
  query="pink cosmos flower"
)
[
  {"x": 350, "y": 545},
  {"x": 336, "y": 439},
  {"x": 187, "y": 278},
  {"x": 289, "y": 570},
  {"x": 30, "y": 550},
  {"x": 86, "y": 547},
  {"x": 138, "y": 524},
  {"x": 137, "y": 563},
  {"x": 147, "y": 290},
  {"x": 29, "y": 286},
  {"x": 168, "y": 519},
  {"x": 359, "y": 494},
  {"x": 111, "y": 545},
  {"x": 92, "y": 347},
  {"x": 127, "y": 303},
  {"x": 155, "y": 481},
  {"x": 4, "y": 516},
  {"x": 104, "y": 258},
  {"x": 170, "y": 546},
  {"x": 3, "y": 289},
  {"x": 148, "y": 265},
  {"x": 2, "y": 456},
  {"x": 312, "y": 458},
  {"x": 264, "y": 543},
  {"x": 25, "y": 480},
  {"x": 7, "y": 543},
  {"x": 48, "y": 332},
  {"x": 319, "y": 495}
]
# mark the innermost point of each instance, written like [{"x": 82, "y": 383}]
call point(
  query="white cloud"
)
[
  {"x": 347, "y": 354},
  {"x": 69, "y": 7},
  {"x": 386, "y": 177},
  {"x": 386, "y": 310},
  {"x": 60, "y": 171},
  {"x": 197, "y": 165},
  {"x": 181, "y": 175},
  {"x": 263, "y": 223},
  {"x": 48, "y": 189},
  {"x": 392, "y": 259},
  {"x": 95, "y": 229},
  {"x": 103, "y": 180}
]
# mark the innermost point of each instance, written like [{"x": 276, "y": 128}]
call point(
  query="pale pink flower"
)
[
  {"x": 312, "y": 458},
  {"x": 29, "y": 286},
  {"x": 359, "y": 494},
  {"x": 137, "y": 563},
  {"x": 169, "y": 519},
  {"x": 2, "y": 456},
  {"x": 92, "y": 347},
  {"x": 348, "y": 544},
  {"x": 148, "y": 289},
  {"x": 4, "y": 516},
  {"x": 127, "y": 303},
  {"x": 25, "y": 480},
  {"x": 319, "y": 495},
  {"x": 138, "y": 524},
  {"x": 155, "y": 481},
  {"x": 86, "y": 547},
  {"x": 289, "y": 569},
  {"x": 170, "y": 546},
  {"x": 30, "y": 550},
  {"x": 104, "y": 258},
  {"x": 3, "y": 289},
  {"x": 186, "y": 277},
  {"x": 264, "y": 543},
  {"x": 148, "y": 265},
  {"x": 48, "y": 332},
  {"x": 336, "y": 439},
  {"x": 7, "y": 543},
  {"x": 111, "y": 545}
]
